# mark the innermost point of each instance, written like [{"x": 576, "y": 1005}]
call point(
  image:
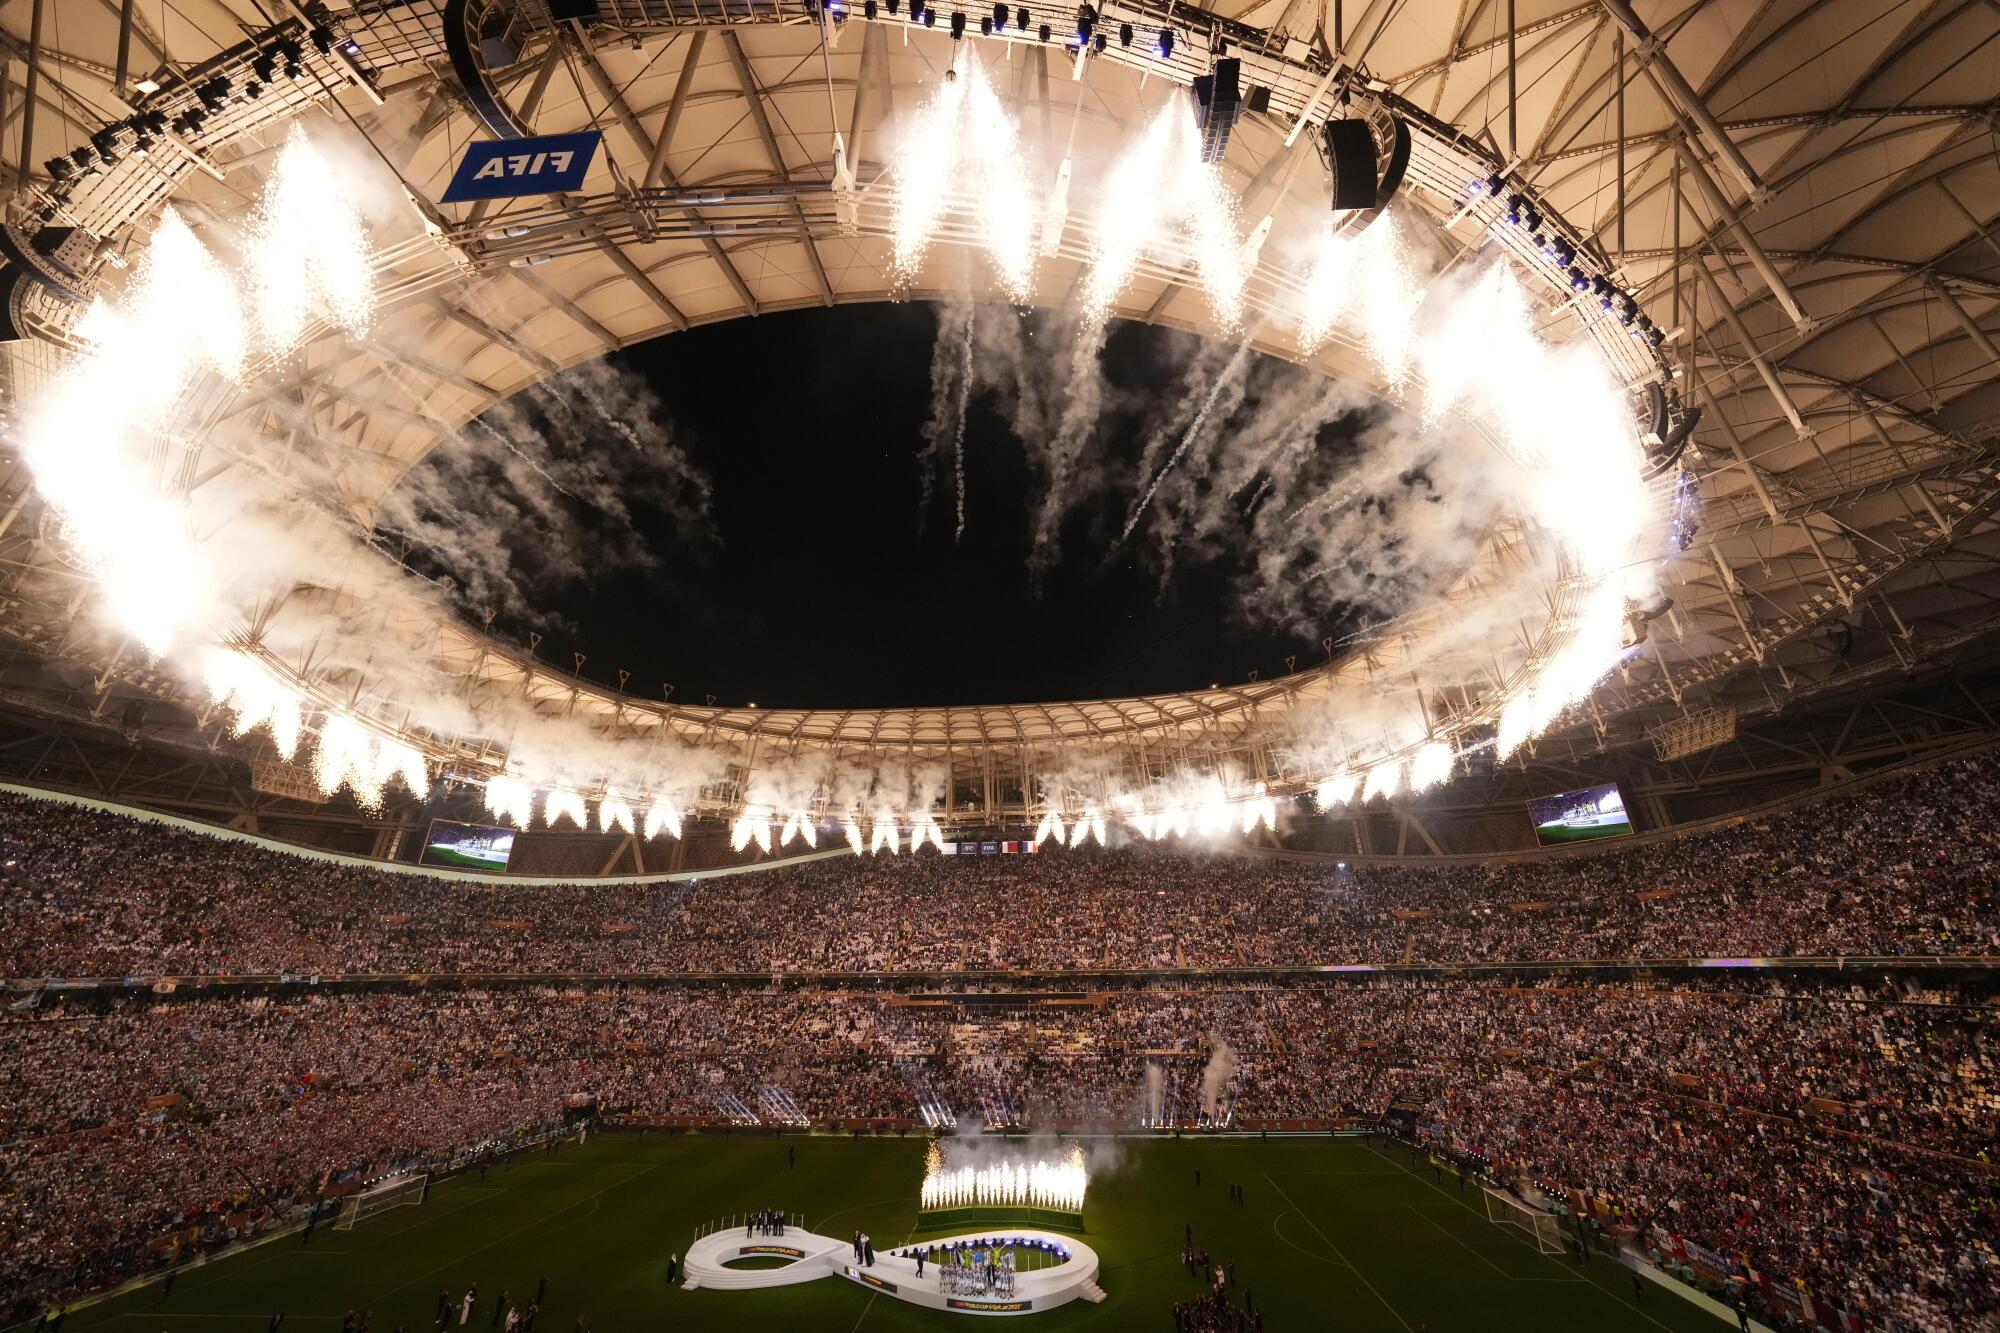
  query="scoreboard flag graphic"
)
[{"x": 509, "y": 168}]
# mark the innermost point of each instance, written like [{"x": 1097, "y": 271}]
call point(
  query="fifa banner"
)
[
  {"x": 867, "y": 1279},
  {"x": 509, "y": 168}
]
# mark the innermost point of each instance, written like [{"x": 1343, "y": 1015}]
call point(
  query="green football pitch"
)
[{"x": 1333, "y": 1235}]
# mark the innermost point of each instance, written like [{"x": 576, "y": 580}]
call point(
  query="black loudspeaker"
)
[
  {"x": 43, "y": 277},
  {"x": 1399, "y": 162},
  {"x": 1218, "y": 99},
  {"x": 15, "y": 289},
  {"x": 564, "y": 10},
  {"x": 1350, "y": 151}
]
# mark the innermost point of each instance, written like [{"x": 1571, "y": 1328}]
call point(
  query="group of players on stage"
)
[{"x": 969, "y": 1269}]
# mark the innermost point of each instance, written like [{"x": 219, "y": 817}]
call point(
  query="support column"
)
[
  {"x": 32, "y": 91},
  {"x": 1652, "y": 53},
  {"x": 1751, "y": 250},
  {"x": 118, "y": 78},
  {"x": 1750, "y": 348},
  {"x": 1980, "y": 338}
]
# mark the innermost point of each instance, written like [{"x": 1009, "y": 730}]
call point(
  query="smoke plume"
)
[{"x": 1215, "y": 1075}]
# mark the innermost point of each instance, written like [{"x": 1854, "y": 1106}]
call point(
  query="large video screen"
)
[
  {"x": 467, "y": 846},
  {"x": 1579, "y": 816}
]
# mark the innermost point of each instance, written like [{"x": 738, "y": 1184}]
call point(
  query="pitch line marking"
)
[
  {"x": 223, "y": 1271},
  {"x": 854, "y": 1207},
  {"x": 1458, "y": 1240},
  {"x": 1359, "y": 1275},
  {"x": 1418, "y": 1209},
  {"x": 591, "y": 1199},
  {"x": 1278, "y": 1231},
  {"x": 248, "y": 1319},
  {"x": 1608, "y": 1291},
  {"x": 1343, "y": 1173}
]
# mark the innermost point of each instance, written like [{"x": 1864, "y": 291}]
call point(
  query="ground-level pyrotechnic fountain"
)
[
  {"x": 1047, "y": 1188},
  {"x": 1008, "y": 1263}
]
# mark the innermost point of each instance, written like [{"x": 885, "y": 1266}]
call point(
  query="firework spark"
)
[
  {"x": 1057, "y": 1183},
  {"x": 964, "y": 150}
]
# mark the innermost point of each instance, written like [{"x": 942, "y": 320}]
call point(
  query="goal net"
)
[
  {"x": 390, "y": 1194},
  {"x": 1507, "y": 1211}
]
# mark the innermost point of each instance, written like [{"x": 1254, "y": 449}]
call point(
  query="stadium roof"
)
[{"x": 1807, "y": 191}]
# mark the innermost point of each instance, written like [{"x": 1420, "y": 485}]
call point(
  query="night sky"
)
[{"x": 816, "y": 585}]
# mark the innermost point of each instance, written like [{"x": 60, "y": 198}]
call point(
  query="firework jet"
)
[
  {"x": 963, "y": 152},
  {"x": 1162, "y": 200},
  {"x": 1459, "y": 352},
  {"x": 94, "y": 436},
  {"x": 1056, "y": 1183}
]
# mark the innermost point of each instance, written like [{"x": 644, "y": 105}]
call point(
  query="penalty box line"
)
[
  {"x": 1462, "y": 1243},
  {"x": 1608, "y": 1291},
  {"x": 1358, "y": 1274},
  {"x": 528, "y": 1226}
]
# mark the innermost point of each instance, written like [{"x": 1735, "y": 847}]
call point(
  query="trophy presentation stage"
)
[{"x": 812, "y": 1257}]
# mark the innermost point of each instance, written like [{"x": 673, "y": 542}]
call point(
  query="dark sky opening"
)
[{"x": 816, "y": 580}]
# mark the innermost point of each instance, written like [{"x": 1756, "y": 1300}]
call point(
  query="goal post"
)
[
  {"x": 381, "y": 1198},
  {"x": 1542, "y": 1227}
]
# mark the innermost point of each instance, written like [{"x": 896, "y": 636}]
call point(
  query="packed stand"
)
[
  {"x": 1830, "y": 1133},
  {"x": 1910, "y": 867}
]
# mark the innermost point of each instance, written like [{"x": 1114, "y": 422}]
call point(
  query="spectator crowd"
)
[
  {"x": 1820, "y": 1129},
  {"x": 1904, "y": 868},
  {"x": 1832, "y": 1133}
]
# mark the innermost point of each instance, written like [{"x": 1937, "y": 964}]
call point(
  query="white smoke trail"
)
[
  {"x": 1198, "y": 381},
  {"x": 545, "y": 491},
  {"x": 958, "y": 433},
  {"x": 1082, "y": 398},
  {"x": 1230, "y": 374},
  {"x": 1215, "y": 1075}
]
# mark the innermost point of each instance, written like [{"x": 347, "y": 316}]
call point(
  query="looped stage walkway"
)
[{"x": 813, "y": 1256}]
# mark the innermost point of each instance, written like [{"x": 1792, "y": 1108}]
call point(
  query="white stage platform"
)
[{"x": 812, "y": 1257}]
